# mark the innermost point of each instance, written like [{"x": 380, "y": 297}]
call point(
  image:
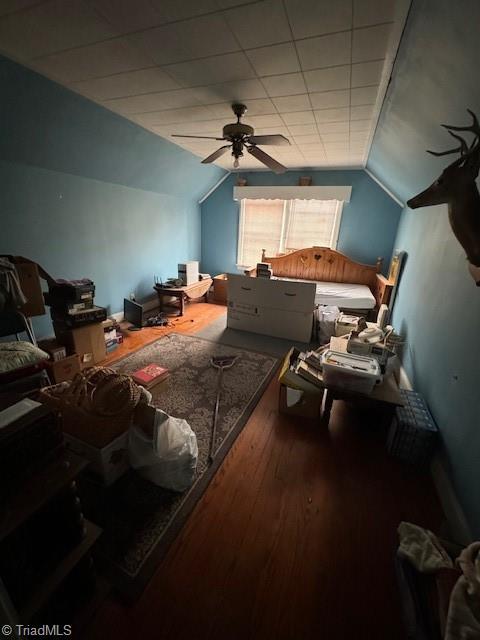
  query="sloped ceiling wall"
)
[
  {"x": 86, "y": 193},
  {"x": 435, "y": 79}
]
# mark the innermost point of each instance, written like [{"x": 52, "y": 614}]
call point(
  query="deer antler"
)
[{"x": 466, "y": 152}]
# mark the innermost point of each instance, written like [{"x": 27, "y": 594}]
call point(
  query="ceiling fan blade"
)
[
  {"x": 179, "y": 135},
  {"x": 277, "y": 140},
  {"x": 271, "y": 163},
  {"x": 216, "y": 154}
]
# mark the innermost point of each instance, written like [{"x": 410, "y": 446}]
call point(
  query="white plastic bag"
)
[{"x": 169, "y": 459}]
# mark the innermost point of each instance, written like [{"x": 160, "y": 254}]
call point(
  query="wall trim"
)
[
  {"x": 386, "y": 189},
  {"x": 458, "y": 527},
  {"x": 293, "y": 192},
  {"x": 214, "y": 188}
]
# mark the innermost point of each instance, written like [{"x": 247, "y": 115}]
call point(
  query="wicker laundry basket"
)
[{"x": 96, "y": 406}]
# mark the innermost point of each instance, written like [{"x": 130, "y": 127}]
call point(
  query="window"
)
[{"x": 281, "y": 226}]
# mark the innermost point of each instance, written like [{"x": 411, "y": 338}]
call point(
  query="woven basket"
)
[{"x": 75, "y": 403}]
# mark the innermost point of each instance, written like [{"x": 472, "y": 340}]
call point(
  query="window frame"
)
[{"x": 287, "y": 214}]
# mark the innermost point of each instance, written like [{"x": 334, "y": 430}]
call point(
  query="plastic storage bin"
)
[
  {"x": 413, "y": 435},
  {"x": 350, "y": 372}
]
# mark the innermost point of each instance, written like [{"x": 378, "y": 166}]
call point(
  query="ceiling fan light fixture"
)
[{"x": 236, "y": 163}]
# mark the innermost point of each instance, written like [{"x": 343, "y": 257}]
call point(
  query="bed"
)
[{"x": 342, "y": 282}]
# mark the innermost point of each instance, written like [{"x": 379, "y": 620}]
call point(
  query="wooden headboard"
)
[{"x": 323, "y": 264}]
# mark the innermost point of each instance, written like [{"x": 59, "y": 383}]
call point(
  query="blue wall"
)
[
  {"x": 438, "y": 306},
  {"x": 367, "y": 231},
  {"x": 87, "y": 193}
]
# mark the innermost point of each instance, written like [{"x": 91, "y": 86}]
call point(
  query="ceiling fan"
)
[{"x": 241, "y": 136}]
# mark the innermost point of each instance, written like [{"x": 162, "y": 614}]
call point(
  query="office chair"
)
[{"x": 25, "y": 377}]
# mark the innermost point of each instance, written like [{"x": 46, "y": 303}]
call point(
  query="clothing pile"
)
[{"x": 460, "y": 579}]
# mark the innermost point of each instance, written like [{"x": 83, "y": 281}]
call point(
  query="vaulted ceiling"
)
[{"x": 312, "y": 70}]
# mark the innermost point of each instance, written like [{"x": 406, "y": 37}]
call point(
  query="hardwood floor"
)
[{"x": 294, "y": 538}]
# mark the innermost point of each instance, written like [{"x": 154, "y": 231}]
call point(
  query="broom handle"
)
[{"x": 215, "y": 416}]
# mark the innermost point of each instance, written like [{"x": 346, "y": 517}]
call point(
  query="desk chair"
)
[{"x": 25, "y": 377}]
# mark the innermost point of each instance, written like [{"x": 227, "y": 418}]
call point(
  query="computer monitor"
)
[{"x": 133, "y": 312}]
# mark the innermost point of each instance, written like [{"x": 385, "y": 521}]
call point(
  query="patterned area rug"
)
[{"x": 139, "y": 519}]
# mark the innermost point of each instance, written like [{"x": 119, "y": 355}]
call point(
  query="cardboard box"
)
[
  {"x": 55, "y": 350},
  {"x": 220, "y": 288},
  {"x": 88, "y": 342},
  {"x": 108, "y": 463},
  {"x": 31, "y": 287},
  {"x": 64, "y": 369}
]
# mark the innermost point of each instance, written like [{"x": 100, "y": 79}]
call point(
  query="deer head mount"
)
[{"x": 456, "y": 187}]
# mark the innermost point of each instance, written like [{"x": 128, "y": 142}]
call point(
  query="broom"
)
[{"x": 220, "y": 363}]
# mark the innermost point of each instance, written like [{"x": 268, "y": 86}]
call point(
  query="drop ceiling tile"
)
[
  {"x": 328, "y": 79},
  {"x": 203, "y": 128},
  {"x": 335, "y": 137},
  {"x": 272, "y": 120},
  {"x": 255, "y": 107},
  {"x": 259, "y": 24},
  {"x": 229, "y": 67},
  {"x": 314, "y": 17},
  {"x": 52, "y": 26},
  {"x": 94, "y": 61},
  {"x": 332, "y": 115},
  {"x": 309, "y": 139},
  {"x": 359, "y": 136},
  {"x": 361, "y": 125},
  {"x": 368, "y": 12},
  {"x": 128, "y": 16},
  {"x": 370, "y": 43},
  {"x": 153, "y": 101},
  {"x": 175, "y": 116},
  {"x": 292, "y": 103},
  {"x": 367, "y": 73},
  {"x": 331, "y": 147},
  {"x": 302, "y": 129},
  {"x": 364, "y": 95},
  {"x": 328, "y": 99},
  {"x": 361, "y": 113},
  {"x": 287, "y": 84},
  {"x": 333, "y": 127},
  {"x": 186, "y": 40},
  {"x": 126, "y": 84},
  {"x": 228, "y": 4},
  {"x": 298, "y": 117},
  {"x": 238, "y": 91},
  {"x": 11, "y": 6},
  {"x": 357, "y": 148},
  {"x": 325, "y": 51},
  {"x": 274, "y": 60}
]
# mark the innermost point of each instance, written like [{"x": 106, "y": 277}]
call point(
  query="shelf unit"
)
[{"x": 33, "y": 495}]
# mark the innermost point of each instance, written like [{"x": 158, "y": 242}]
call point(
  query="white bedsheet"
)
[{"x": 348, "y": 296}]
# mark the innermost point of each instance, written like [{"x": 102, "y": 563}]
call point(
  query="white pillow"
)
[{"x": 18, "y": 354}]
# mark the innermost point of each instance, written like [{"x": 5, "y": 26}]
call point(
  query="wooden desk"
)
[
  {"x": 190, "y": 292},
  {"x": 386, "y": 395}
]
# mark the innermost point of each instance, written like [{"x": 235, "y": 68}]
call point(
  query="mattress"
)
[{"x": 343, "y": 295}]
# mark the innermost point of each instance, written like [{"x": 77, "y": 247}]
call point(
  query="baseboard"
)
[
  {"x": 403, "y": 379},
  {"x": 459, "y": 529}
]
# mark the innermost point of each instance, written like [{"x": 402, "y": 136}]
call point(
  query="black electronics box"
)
[
  {"x": 72, "y": 292},
  {"x": 79, "y": 317},
  {"x": 67, "y": 307}
]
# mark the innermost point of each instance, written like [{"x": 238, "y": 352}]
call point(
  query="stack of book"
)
[
  {"x": 150, "y": 375},
  {"x": 264, "y": 270},
  {"x": 302, "y": 370}
]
